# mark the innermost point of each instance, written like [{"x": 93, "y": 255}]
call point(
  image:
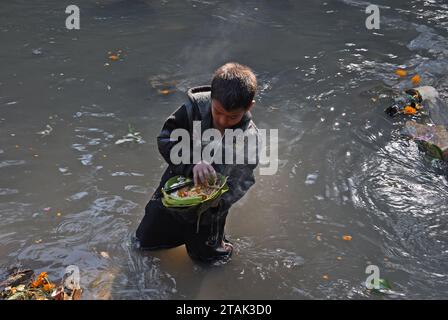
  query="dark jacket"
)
[{"x": 198, "y": 108}]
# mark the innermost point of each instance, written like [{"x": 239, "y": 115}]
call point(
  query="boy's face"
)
[{"x": 223, "y": 119}]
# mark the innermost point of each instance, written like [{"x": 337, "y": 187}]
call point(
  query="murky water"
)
[{"x": 69, "y": 195}]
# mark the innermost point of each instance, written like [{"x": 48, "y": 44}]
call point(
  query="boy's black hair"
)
[{"x": 234, "y": 85}]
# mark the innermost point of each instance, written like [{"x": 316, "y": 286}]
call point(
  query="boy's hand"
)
[{"x": 202, "y": 171}]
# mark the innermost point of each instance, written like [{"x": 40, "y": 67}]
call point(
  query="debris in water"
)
[
  {"x": 433, "y": 140},
  {"x": 409, "y": 110},
  {"x": 416, "y": 80},
  {"x": 166, "y": 91},
  {"x": 131, "y": 137},
  {"x": 45, "y": 132},
  {"x": 401, "y": 72},
  {"x": 20, "y": 286},
  {"x": 37, "y": 52},
  {"x": 311, "y": 178},
  {"x": 115, "y": 56},
  {"x": 163, "y": 85},
  {"x": 383, "y": 287},
  {"x": 347, "y": 238}
]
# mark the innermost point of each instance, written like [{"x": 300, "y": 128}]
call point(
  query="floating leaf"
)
[
  {"x": 131, "y": 137},
  {"x": 383, "y": 286}
]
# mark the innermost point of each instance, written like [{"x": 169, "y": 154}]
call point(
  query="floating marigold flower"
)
[
  {"x": 48, "y": 286},
  {"x": 114, "y": 57},
  {"x": 165, "y": 91},
  {"x": 347, "y": 238},
  {"x": 409, "y": 110},
  {"x": 401, "y": 72},
  {"x": 416, "y": 80},
  {"x": 39, "y": 280}
]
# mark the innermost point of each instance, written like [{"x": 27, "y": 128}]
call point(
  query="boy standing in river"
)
[{"x": 224, "y": 105}]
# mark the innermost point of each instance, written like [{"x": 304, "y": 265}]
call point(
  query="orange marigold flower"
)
[
  {"x": 409, "y": 110},
  {"x": 48, "y": 286},
  {"x": 401, "y": 72},
  {"x": 166, "y": 91},
  {"x": 40, "y": 280},
  {"x": 114, "y": 57},
  {"x": 347, "y": 238},
  {"x": 416, "y": 80}
]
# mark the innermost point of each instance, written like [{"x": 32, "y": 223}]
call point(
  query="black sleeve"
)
[
  {"x": 177, "y": 120},
  {"x": 240, "y": 180}
]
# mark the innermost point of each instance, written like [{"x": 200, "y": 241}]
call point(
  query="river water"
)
[{"x": 71, "y": 196}]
